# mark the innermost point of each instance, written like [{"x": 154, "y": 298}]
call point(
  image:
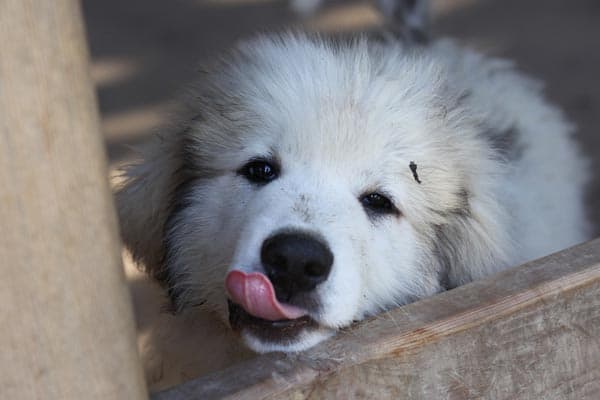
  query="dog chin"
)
[
  {"x": 289, "y": 344},
  {"x": 288, "y": 335}
]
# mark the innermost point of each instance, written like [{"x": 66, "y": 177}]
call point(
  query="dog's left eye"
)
[
  {"x": 259, "y": 171},
  {"x": 378, "y": 203}
]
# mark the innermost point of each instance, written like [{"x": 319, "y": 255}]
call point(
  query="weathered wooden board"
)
[
  {"x": 66, "y": 323},
  {"x": 532, "y": 332}
]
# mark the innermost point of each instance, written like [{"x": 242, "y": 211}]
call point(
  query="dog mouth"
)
[
  {"x": 254, "y": 309},
  {"x": 267, "y": 330}
]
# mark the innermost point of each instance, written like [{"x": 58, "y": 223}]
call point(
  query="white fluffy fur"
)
[{"x": 502, "y": 180}]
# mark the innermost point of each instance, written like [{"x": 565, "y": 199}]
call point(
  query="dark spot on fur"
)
[
  {"x": 446, "y": 250},
  {"x": 189, "y": 173},
  {"x": 413, "y": 168},
  {"x": 302, "y": 209},
  {"x": 464, "y": 209},
  {"x": 505, "y": 143},
  {"x": 448, "y": 238},
  {"x": 181, "y": 200},
  {"x": 444, "y": 276}
]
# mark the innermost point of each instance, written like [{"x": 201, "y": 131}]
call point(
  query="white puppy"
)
[{"x": 320, "y": 182}]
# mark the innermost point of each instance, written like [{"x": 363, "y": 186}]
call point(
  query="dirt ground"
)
[{"x": 145, "y": 52}]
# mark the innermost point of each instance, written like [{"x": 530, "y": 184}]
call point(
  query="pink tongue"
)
[{"x": 255, "y": 293}]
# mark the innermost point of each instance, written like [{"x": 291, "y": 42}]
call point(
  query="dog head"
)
[{"x": 318, "y": 183}]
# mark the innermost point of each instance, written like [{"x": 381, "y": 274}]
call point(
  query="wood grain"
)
[
  {"x": 528, "y": 333},
  {"x": 66, "y": 324}
]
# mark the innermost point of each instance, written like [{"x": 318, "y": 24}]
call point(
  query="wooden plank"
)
[
  {"x": 529, "y": 333},
  {"x": 66, "y": 323}
]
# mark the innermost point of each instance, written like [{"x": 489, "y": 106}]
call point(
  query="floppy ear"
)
[{"x": 144, "y": 201}]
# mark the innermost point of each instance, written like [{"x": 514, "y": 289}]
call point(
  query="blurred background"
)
[{"x": 145, "y": 52}]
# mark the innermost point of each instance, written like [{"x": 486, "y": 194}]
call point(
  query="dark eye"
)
[
  {"x": 260, "y": 171},
  {"x": 378, "y": 203}
]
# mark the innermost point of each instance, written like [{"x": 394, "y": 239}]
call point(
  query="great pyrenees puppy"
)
[{"x": 320, "y": 181}]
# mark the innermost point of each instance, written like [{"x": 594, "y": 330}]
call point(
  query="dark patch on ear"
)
[
  {"x": 444, "y": 254},
  {"x": 464, "y": 209},
  {"x": 447, "y": 252},
  {"x": 190, "y": 173},
  {"x": 444, "y": 277},
  {"x": 448, "y": 239},
  {"x": 413, "y": 168},
  {"x": 181, "y": 201},
  {"x": 505, "y": 143},
  {"x": 178, "y": 200}
]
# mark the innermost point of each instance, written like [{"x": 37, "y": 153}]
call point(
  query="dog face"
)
[{"x": 318, "y": 184}]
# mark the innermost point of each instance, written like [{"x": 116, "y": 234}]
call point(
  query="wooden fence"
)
[
  {"x": 532, "y": 332},
  {"x": 66, "y": 323}
]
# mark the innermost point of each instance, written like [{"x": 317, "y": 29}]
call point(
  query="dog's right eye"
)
[{"x": 260, "y": 171}]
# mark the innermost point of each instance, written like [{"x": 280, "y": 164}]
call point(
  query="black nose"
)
[{"x": 295, "y": 262}]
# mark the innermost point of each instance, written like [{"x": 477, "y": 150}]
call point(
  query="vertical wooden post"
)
[{"x": 66, "y": 323}]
